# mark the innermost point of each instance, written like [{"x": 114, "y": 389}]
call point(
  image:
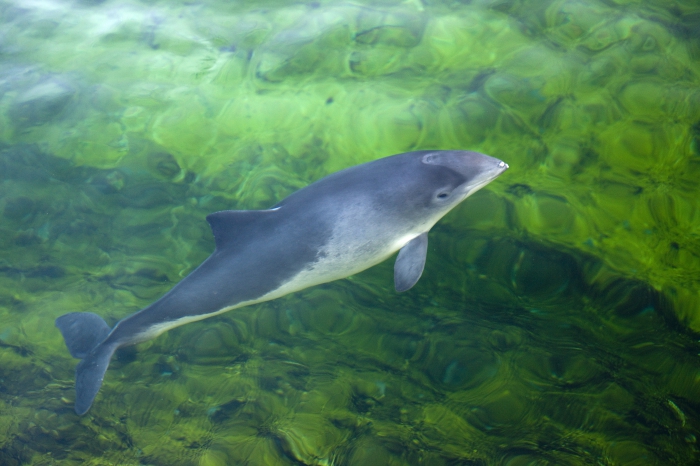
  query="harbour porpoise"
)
[{"x": 338, "y": 226}]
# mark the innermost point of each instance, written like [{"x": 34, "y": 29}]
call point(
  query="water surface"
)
[{"x": 556, "y": 322}]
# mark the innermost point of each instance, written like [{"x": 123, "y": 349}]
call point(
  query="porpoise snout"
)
[{"x": 474, "y": 166}]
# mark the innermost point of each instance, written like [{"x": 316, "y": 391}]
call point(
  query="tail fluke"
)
[
  {"x": 84, "y": 333},
  {"x": 89, "y": 375}
]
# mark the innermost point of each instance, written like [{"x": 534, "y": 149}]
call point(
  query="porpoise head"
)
[
  {"x": 426, "y": 185},
  {"x": 463, "y": 172}
]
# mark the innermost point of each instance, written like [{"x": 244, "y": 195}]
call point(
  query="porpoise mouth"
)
[
  {"x": 489, "y": 173},
  {"x": 493, "y": 171},
  {"x": 474, "y": 166}
]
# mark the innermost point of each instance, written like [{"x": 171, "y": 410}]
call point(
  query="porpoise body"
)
[{"x": 333, "y": 228}]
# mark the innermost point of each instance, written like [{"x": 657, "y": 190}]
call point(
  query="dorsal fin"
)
[{"x": 227, "y": 225}]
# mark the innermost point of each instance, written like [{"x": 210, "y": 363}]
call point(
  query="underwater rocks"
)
[
  {"x": 551, "y": 325},
  {"x": 41, "y": 103}
]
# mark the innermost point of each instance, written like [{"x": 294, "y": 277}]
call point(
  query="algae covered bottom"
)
[{"x": 556, "y": 321}]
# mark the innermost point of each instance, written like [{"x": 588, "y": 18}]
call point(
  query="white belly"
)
[{"x": 355, "y": 245}]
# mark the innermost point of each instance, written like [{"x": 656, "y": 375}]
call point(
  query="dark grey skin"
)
[{"x": 333, "y": 228}]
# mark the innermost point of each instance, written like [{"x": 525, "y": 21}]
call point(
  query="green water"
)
[{"x": 557, "y": 319}]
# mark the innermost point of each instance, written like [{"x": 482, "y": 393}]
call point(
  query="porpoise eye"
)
[{"x": 442, "y": 195}]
